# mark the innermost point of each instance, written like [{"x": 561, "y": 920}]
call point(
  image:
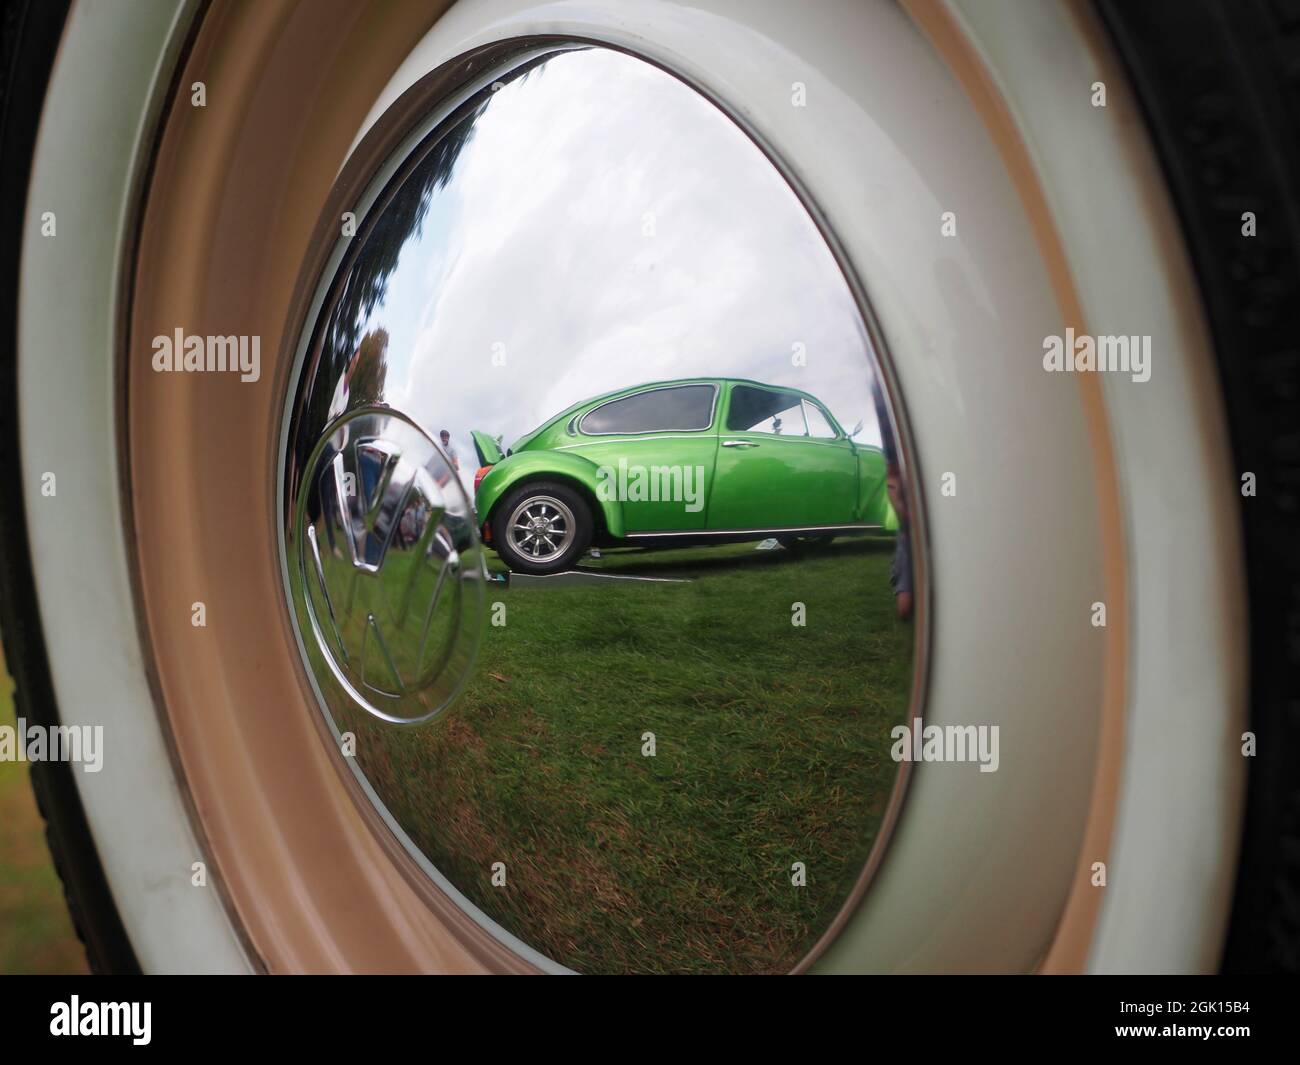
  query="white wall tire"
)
[{"x": 1091, "y": 514}]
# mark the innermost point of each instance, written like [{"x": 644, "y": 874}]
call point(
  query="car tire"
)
[
  {"x": 28, "y": 47},
  {"x": 541, "y": 498},
  {"x": 1240, "y": 67},
  {"x": 1197, "y": 97}
]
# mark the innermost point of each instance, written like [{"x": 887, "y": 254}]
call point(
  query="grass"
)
[
  {"x": 772, "y": 748},
  {"x": 36, "y": 933}
]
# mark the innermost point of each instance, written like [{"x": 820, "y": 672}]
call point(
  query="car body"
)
[{"x": 697, "y": 459}]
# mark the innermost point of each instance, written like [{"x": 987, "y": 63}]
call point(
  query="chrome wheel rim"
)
[{"x": 541, "y": 528}]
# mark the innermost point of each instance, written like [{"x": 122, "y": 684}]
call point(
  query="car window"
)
[
  {"x": 819, "y": 426},
  {"x": 680, "y": 409},
  {"x": 758, "y": 410}
]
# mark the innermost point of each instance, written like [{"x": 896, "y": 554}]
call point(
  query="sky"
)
[{"x": 607, "y": 226}]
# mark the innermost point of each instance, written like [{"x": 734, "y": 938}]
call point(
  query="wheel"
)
[
  {"x": 541, "y": 527},
  {"x": 1194, "y": 99},
  {"x": 1092, "y": 583}
]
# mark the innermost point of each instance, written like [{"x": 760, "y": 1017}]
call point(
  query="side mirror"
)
[{"x": 856, "y": 429}]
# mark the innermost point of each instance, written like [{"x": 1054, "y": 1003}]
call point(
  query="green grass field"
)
[
  {"x": 772, "y": 748},
  {"x": 36, "y": 933}
]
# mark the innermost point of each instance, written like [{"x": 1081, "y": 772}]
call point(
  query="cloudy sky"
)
[{"x": 606, "y": 226}]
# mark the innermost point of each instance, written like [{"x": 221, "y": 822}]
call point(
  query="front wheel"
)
[{"x": 541, "y": 528}]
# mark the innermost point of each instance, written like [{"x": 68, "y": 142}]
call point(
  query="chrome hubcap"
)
[
  {"x": 478, "y": 342},
  {"x": 387, "y": 586}
]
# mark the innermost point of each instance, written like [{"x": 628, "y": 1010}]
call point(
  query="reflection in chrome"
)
[
  {"x": 582, "y": 423},
  {"x": 755, "y": 533},
  {"x": 389, "y": 566},
  {"x": 541, "y": 526},
  {"x": 572, "y": 227},
  {"x": 578, "y": 577}
]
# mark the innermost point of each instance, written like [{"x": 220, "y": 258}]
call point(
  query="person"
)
[
  {"x": 451, "y": 451},
  {"x": 900, "y": 569}
]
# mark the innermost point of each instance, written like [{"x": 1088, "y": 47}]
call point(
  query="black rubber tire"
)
[
  {"x": 29, "y": 37},
  {"x": 1219, "y": 83},
  {"x": 572, "y": 498}
]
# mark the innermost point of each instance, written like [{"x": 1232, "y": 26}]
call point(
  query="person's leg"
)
[
  {"x": 900, "y": 574},
  {"x": 904, "y": 602}
]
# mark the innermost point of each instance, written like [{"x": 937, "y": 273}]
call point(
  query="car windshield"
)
[
  {"x": 758, "y": 410},
  {"x": 819, "y": 425}
]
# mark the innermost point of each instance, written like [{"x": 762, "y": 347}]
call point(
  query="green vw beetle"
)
[{"x": 705, "y": 459}]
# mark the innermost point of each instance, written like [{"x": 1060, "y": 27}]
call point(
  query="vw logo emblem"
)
[{"x": 392, "y": 576}]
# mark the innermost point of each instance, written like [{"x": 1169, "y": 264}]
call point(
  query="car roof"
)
[
  {"x": 648, "y": 385},
  {"x": 618, "y": 393}
]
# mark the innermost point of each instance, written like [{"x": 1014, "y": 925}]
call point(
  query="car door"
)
[
  {"x": 781, "y": 464},
  {"x": 655, "y": 451}
]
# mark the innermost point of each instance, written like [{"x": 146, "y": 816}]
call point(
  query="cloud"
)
[{"x": 607, "y": 226}]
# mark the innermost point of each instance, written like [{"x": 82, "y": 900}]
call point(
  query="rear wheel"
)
[{"x": 541, "y": 527}]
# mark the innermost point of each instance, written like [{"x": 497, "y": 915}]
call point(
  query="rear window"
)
[{"x": 680, "y": 409}]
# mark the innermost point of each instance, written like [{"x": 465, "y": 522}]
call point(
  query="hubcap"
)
[
  {"x": 390, "y": 583},
  {"x": 388, "y": 575}
]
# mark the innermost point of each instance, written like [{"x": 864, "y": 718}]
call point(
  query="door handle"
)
[{"x": 739, "y": 443}]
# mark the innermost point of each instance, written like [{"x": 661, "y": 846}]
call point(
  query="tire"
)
[
  {"x": 1205, "y": 73},
  {"x": 548, "y": 501},
  {"x": 1212, "y": 76},
  {"x": 29, "y": 37}
]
